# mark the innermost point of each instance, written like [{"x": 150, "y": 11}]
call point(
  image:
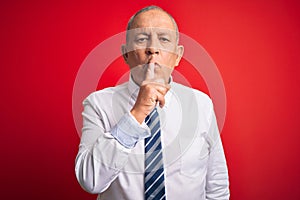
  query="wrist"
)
[{"x": 138, "y": 115}]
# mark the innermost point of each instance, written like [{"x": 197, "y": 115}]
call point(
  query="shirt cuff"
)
[{"x": 128, "y": 131}]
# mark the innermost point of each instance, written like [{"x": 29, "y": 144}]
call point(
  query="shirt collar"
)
[{"x": 133, "y": 89}]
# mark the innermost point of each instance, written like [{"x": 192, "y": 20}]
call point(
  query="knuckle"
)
[
  {"x": 151, "y": 90},
  {"x": 148, "y": 87}
]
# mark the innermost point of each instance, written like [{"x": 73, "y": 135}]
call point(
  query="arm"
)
[
  {"x": 217, "y": 184},
  {"x": 102, "y": 154},
  {"x": 104, "y": 151}
]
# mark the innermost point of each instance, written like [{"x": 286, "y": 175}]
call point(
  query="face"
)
[{"x": 151, "y": 50}]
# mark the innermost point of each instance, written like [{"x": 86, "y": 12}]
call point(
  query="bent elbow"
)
[{"x": 85, "y": 174}]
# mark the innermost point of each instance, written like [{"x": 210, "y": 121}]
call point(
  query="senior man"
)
[{"x": 151, "y": 138}]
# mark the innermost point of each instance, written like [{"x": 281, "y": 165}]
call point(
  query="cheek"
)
[
  {"x": 169, "y": 59},
  {"x": 136, "y": 57}
]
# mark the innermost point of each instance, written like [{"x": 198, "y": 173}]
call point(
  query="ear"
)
[
  {"x": 180, "y": 50},
  {"x": 124, "y": 53}
]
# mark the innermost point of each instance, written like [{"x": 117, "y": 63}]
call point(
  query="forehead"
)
[
  {"x": 153, "y": 18},
  {"x": 151, "y": 31}
]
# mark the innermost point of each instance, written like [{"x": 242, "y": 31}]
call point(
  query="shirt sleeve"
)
[
  {"x": 101, "y": 156},
  {"x": 217, "y": 183},
  {"x": 128, "y": 131}
]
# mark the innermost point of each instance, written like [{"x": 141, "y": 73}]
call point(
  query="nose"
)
[{"x": 152, "y": 48}]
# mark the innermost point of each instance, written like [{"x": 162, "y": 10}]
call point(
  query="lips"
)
[
  {"x": 154, "y": 65},
  {"x": 154, "y": 75}
]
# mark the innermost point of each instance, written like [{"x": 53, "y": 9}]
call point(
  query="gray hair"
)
[{"x": 145, "y": 10}]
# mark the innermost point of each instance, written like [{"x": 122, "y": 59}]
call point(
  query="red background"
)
[{"x": 255, "y": 45}]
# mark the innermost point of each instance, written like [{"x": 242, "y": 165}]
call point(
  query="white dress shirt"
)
[{"x": 110, "y": 160}]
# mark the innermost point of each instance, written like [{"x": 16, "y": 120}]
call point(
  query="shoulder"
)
[{"x": 105, "y": 94}]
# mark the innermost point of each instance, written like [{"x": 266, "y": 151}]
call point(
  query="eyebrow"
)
[
  {"x": 142, "y": 33},
  {"x": 163, "y": 33},
  {"x": 159, "y": 33}
]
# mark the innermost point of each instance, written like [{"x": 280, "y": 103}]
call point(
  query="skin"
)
[{"x": 151, "y": 53}]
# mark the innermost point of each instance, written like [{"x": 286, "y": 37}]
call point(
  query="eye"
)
[
  {"x": 164, "y": 39},
  {"x": 141, "y": 40}
]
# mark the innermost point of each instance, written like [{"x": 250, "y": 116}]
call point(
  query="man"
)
[{"x": 151, "y": 138}]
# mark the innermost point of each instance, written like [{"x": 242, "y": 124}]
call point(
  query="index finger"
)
[{"x": 150, "y": 72}]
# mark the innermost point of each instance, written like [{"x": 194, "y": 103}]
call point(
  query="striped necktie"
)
[{"x": 154, "y": 170}]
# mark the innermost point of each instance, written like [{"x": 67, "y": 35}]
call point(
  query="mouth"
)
[{"x": 153, "y": 65}]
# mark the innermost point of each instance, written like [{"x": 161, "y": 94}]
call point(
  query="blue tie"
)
[{"x": 154, "y": 169}]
